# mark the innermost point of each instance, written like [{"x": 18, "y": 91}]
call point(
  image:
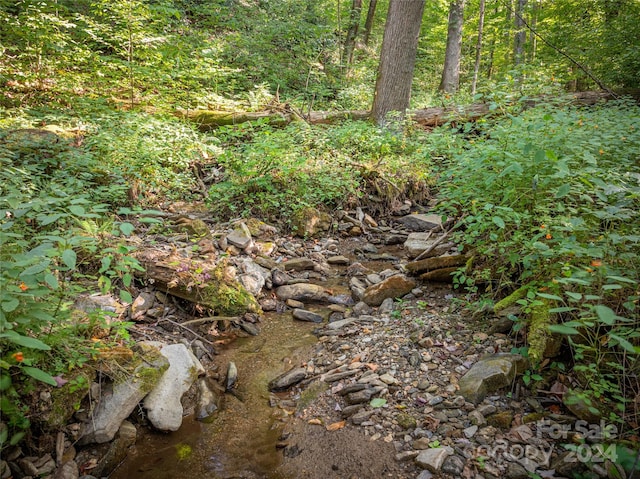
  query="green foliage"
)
[{"x": 551, "y": 198}]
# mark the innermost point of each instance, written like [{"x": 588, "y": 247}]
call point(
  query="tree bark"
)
[
  {"x": 476, "y": 65},
  {"x": 368, "y": 24},
  {"x": 397, "y": 58},
  {"x": 521, "y": 33},
  {"x": 451, "y": 71},
  {"x": 352, "y": 32}
]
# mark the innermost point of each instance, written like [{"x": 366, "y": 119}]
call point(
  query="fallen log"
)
[
  {"x": 439, "y": 275},
  {"x": 438, "y": 262},
  {"x": 212, "y": 286},
  {"x": 208, "y": 120}
]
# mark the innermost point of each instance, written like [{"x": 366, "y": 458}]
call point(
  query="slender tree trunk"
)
[
  {"x": 368, "y": 25},
  {"x": 476, "y": 66},
  {"x": 451, "y": 72},
  {"x": 521, "y": 33},
  {"x": 352, "y": 32},
  {"x": 397, "y": 58},
  {"x": 492, "y": 44},
  {"x": 534, "y": 25}
]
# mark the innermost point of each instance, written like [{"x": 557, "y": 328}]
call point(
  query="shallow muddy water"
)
[{"x": 240, "y": 441}]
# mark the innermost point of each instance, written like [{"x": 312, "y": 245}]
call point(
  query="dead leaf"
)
[
  {"x": 336, "y": 425},
  {"x": 372, "y": 366},
  {"x": 315, "y": 422}
]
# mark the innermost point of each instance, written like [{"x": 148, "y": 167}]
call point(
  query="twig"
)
[
  {"x": 439, "y": 240},
  {"x": 233, "y": 319},
  {"x": 175, "y": 323}
]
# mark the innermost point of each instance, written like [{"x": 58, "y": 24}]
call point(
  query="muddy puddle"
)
[{"x": 240, "y": 441}]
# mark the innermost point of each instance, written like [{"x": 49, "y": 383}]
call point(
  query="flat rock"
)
[
  {"x": 302, "y": 292},
  {"x": 421, "y": 222},
  {"x": 393, "y": 287},
  {"x": 490, "y": 374},
  {"x": 432, "y": 459},
  {"x": 114, "y": 408},
  {"x": 288, "y": 379},
  {"x": 304, "y": 315},
  {"x": 117, "y": 450},
  {"x": 338, "y": 260},
  {"x": 298, "y": 264},
  {"x": 164, "y": 409},
  {"x": 417, "y": 243},
  {"x": 240, "y": 237}
]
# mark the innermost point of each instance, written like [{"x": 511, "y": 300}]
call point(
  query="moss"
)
[
  {"x": 225, "y": 295},
  {"x": 311, "y": 393},
  {"x": 538, "y": 334},
  {"x": 66, "y": 400},
  {"x": 518, "y": 294}
]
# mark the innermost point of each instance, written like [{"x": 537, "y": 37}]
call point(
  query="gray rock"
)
[
  {"x": 304, "y": 315},
  {"x": 288, "y": 379},
  {"x": 208, "y": 401},
  {"x": 298, "y": 264},
  {"x": 279, "y": 278},
  {"x": 69, "y": 470},
  {"x": 490, "y": 374},
  {"x": 124, "y": 396},
  {"x": 232, "y": 376},
  {"x": 359, "y": 397},
  {"x": 338, "y": 260},
  {"x": 432, "y": 459},
  {"x": 516, "y": 471},
  {"x": 253, "y": 276},
  {"x": 303, "y": 292},
  {"x": 425, "y": 475},
  {"x": 393, "y": 287},
  {"x": 341, "y": 323},
  {"x": 141, "y": 305},
  {"x": 470, "y": 431},
  {"x": 361, "y": 308},
  {"x": 341, "y": 299},
  {"x": 240, "y": 237},
  {"x": 453, "y": 465},
  {"x": 417, "y": 243},
  {"x": 421, "y": 222},
  {"x": 117, "y": 450},
  {"x": 164, "y": 409},
  {"x": 386, "y": 307}
]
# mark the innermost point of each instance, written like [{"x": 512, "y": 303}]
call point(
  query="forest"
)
[{"x": 516, "y": 122}]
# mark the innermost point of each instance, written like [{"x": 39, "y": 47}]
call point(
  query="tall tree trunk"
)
[
  {"x": 521, "y": 33},
  {"x": 534, "y": 25},
  {"x": 397, "y": 58},
  {"x": 352, "y": 32},
  {"x": 451, "y": 72},
  {"x": 368, "y": 24},
  {"x": 476, "y": 66},
  {"x": 492, "y": 44}
]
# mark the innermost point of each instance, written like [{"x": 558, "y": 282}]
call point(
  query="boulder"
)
[
  {"x": 121, "y": 398},
  {"x": 393, "y": 287},
  {"x": 421, "y": 222},
  {"x": 303, "y": 292},
  {"x": 164, "y": 409},
  {"x": 490, "y": 374},
  {"x": 309, "y": 222}
]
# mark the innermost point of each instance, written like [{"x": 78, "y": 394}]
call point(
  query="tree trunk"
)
[
  {"x": 352, "y": 32},
  {"x": 476, "y": 66},
  {"x": 368, "y": 25},
  {"x": 492, "y": 45},
  {"x": 521, "y": 33},
  {"x": 397, "y": 58},
  {"x": 451, "y": 72}
]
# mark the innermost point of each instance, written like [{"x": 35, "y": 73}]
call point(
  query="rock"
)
[
  {"x": 299, "y": 264},
  {"x": 432, "y": 459},
  {"x": 288, "y": 379},
  {"x": 581, "y": 406},
  {"x": 501, "y": 420},
  {"x": 69, "y": 470},
  {"x": 260, "y": 229},
  {"x": 490, "y": 374},
  {"x": 338, "y": 260},
  {"x": 232, "y": 376},
  {"x": 208, "y": 402},
  {"x": 164, "y": 409},
  {"x": 417, "y": 243},
  {"x": 105, "y": 302},
  {"x": 501, "y": 325},
  {"x": 425, "y": 475},
  {"x": 302, "y": 292},
  {"x": 240, "y": 237},
  {"x": 279, "y": 278},
  {"x": 470, "y": 431},
  {"x": 393, "y": 287},
  {"x": 341, "y": 299},
  {"x": 516, "y": 471},
  {"x": 406, "y": 421},
  {"x": 253, "y": 276},
  {"x": 292, "y": 303},
  {"x": 359, "y": 397},
  {"x": 125, "y": 395},
  {"x": 304, "y": 315},
  {"x": 308, "y": 222},
  {"x": 421, "y": 222},
  {"x": 118, "y": 450},
  {"x": 453, "y": 465},
  {"x": 386, "y": 307},
  {"x": 141, "y": 305}
]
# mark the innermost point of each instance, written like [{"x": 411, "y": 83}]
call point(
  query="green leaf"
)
[
  {"x": 622, "y": 279},
  {"x": 17, "y": 437},
  {"x": 126, "y": 279},
  {"x": 35, "y": 269},
  {"x": 51, "y": 281},
  {"x": 563, "y": 191},
  {"x": 126, "y": 228},
  {"x": 40, "y": 375},
  {"x": 549, "y": 296},
  {"x": 25, "y": 341},
  {"x": 624, "y": 344},
  {"x": 605, "y": 314},
  {"x": 563, "y": 329},
  {"x": 77, "y": 210},
  {"x": 499, "y": 222},
  {"x": 563, "y": 309},
  {"x": 69, "y": 258},
  {"x": 572, "y": 295},
  {"x": 125, "y": 296},
  {"x": 377, "y": 402},
  {"x": 10, "y": 305}
]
